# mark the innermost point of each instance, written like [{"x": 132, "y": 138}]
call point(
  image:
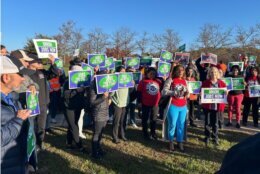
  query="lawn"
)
[{"x": 137, "y": 155}]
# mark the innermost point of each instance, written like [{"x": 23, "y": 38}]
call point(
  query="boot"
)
[
  {"x": 95, "y": 153},
  {"x": 171, "y": 146},
  {"x": 181, "y": 147}
]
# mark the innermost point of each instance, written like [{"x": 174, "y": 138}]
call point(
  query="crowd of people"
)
[{"x": 165, "y": 98}]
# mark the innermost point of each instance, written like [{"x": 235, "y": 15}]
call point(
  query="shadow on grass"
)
[
  {"x": 50, "y": 163},
  {"x": 115, "y": 161}
]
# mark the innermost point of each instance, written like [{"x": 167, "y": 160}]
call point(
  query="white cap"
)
[
  {"x": 11, "y": 65},
  {"x": 76, "y": 68},
  {"x": 7, "y": 66}
]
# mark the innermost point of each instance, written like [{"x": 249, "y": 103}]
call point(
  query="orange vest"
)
[{"x": 54, "y": 84}]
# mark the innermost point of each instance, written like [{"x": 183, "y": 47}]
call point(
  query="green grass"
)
[{"x": 137, "y": 155}]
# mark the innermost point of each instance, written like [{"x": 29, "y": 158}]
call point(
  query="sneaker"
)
[
  {"x": 238, "y": 125},
  {"x": 229, "y": 124},
  {"x": 124, "y": 139},
  {"x": 134, "y": 125},
  {"x": 53, "y": 120},
  {"x": 82, "y": 136}
]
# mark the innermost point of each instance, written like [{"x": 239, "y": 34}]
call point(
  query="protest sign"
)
[
  {"x": 137, "y": 76},
  {"x": 164, "y": 69},
  {"x": 76, "y": 53},
  {"x": 252, "y": 60},
  {"x": 238, "y": 84},
  {"x": 209, "y": 58},
  {"x": 31, "y": 142},
  {"x": 97, "y": 60},
  {"x": 125, "y": 80},
  {"x": 240, "y": 64},
  {"x": 166, "y": 56},
  {"x": 118, "y": 63},
  {"x": 254, "y": 91},
  {"x": 228, "y": 82},
  {"x": 87, "y": 67},
  {"x": 194, "y": 87},
  {"x": 59, "y": 63},
  {"x": 213, "y": 95},
  {"x": 44, "y": 47},
  {"x": 146, "y": 61},
  {"x": 182, "y": 58},
  {"x": 32, "y": 103},
  {"x": 133, "y": 62},
  {"x": 106, "y": 83},
  {"x": 109, "y": 64},
  {"x": 79, "y": 79}
]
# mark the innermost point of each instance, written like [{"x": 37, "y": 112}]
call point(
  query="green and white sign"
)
[
  {"x": 240, "y": 64},
  {"x": 252, "y": 60},
  {"x": 32, "y": 103},
  {"x": 109, "y": 64},
  {"x": 164, "y": 69},
  {"x": 45, "y": 47},
  {"x": 238, "y": 83},
  {"x": 79, "y": 79},
  {"x": 59, "y": 63},
  {"x": 228, "y": 82},
  {"x": 166, "y": 56},
  {"x": 254, "y": 91},
  {"x": 194, "y": 87},
  {"x": 106, "y": 83},
  {"x": 97, "y": 60},
  {"x": 125, "y": 80},
  {"x": 31, "y": 142},
  {"x": 213, "y": 95},
  {"x": 133, "y": 62}
]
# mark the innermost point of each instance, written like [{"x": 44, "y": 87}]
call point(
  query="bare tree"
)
[
  {"x": 69, "y": 38},
  {"x": 143, "y": 42},
  {"x": 248, "y": 37},
  {"x": 213, "y": 36},
  {"x": 171, "y": 39},
  {"x": 123, "y": 39},
  {"x": 157, "y": 43},
  {"x": 98, "y": 40}
]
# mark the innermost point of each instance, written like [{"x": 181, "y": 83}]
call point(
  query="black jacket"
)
[{"x": 99, "y": 105}]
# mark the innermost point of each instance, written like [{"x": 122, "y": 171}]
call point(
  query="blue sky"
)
[{"x": 21, "y": 19}]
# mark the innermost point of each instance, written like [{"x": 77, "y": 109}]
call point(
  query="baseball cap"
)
[
  {"x": 10, "y": 65},
  {"x": 21, "y": 54}
]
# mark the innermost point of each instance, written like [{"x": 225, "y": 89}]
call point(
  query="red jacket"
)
[{"x": 208, "y": 84}]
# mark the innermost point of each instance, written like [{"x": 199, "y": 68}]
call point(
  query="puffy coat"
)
[
  {"x": 14, "y": 134},
  {"x": 99, "y": 105}
]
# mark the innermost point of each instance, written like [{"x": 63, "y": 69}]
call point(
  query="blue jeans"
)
[{"x": 176, "y": 119}]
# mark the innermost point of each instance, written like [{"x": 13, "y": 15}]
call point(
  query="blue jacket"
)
[{"x": 13, "y": 141}]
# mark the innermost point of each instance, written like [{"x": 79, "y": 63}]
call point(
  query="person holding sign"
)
[
  {"x": 120, "y": 100},
  {"x": 235, "y": 98},
  {"x": 99, "y": 106},
  {"x": 14, "y": 122},
  {"x": 211, "y": 110},
  {"x": 253, "y": 79},
  {"x": 193, "y": 97},
  {"x": 148, "y": 96},
  {"x": 74, "y": 102},
  {"x": 176, "y": 88}
]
